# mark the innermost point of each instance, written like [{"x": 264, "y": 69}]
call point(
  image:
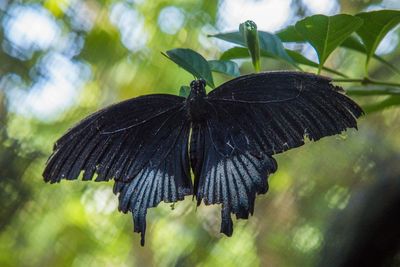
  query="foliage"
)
[{"x": 324, "y": 33}]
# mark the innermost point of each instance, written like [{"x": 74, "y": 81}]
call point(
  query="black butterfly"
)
[{"x": 149, "y": 144}]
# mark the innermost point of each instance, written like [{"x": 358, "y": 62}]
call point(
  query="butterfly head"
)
[{"x": 198, "y": 88}]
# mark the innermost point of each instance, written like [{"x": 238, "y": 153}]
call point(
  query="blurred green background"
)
[{"x": 61, "y": 60}]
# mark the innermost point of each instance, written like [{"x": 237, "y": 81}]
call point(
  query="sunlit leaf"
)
[
  {"x": 225, "y": 67},
  {"x": 290, "y": 34},
  {"x": 326, "y": 33},
  {"x": 184, "y": 91},
  {"x": 192, "y": 62},
  {"x": 376, "y": 25}
]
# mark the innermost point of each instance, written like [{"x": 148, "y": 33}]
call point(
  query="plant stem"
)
[{"x": 366, "y": 81}]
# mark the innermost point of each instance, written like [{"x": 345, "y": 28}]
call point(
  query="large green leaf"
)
[
  {"x": 192, "y": 62},
  {"x": 376, "y": 25},
  {"x": 325, "y": 33},
  {"x": 269, "y": 43},
  {"x": 240, "y": 52},
  {"x": 290, "y": 34},
  {"x": 225, "y": 67}
]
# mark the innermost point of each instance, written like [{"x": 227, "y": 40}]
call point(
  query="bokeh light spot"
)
[
  {"x": 171, "y": 19},
  {"x": 307, "y": 238},
  {"x": 30, "y": 28}
]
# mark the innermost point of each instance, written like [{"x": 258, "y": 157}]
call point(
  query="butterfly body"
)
[
  {"x": 228, "y": 137},
  {"x": 196, "y": 104}
]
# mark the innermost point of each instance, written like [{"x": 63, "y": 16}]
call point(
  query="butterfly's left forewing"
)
[{"x": 142, "y": 143}]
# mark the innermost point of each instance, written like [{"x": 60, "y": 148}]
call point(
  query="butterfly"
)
[{"x": 150, "y": 144}]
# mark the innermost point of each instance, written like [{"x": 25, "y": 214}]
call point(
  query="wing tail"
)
[
  {"x": 165, "y": 180},
  {"x": 232, "y": 180}
]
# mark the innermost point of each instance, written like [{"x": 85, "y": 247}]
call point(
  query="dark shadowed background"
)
[{"x": 61, "y": 60}]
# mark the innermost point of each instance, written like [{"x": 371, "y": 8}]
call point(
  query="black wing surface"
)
[
  {"x": 233, "y": 179},
  {"x": 252, "y": 117},
  {"x": 275, "y": 111},
  {"x": 142, "y": 143}
]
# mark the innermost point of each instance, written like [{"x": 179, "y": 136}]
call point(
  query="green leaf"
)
[
  {"x": 269, "y": 43},
  {"x": 300, "y": 59},
  {"x": 373, "y": 90},
  {"x": 235, "y": 53},
  {"x": 249, "y": 32},
  {"x": 353, "y": 43},
  {"x": 240, "y": 52},
  {"x": 376, "y": 25},
  {"x": 184, "y": 91},
  {"x": 327, "y": 33},
  {"x": 232, "y": 37},
  {"x": 225, "y": 67},
  {"x": 289, "y": 34},
  {"x": 192, "y": 62}
]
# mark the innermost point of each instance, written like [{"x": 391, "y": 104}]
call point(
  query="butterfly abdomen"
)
[{"x": 196, "y": 152}]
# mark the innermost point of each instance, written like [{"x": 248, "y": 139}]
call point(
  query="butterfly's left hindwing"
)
[{"x": 165, "y": 178}]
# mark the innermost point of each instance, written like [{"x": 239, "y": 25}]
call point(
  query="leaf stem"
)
[{"x": 366, "y": 81}]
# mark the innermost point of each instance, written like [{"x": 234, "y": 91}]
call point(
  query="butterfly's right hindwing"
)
[{"x": 233, "y": 179}]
